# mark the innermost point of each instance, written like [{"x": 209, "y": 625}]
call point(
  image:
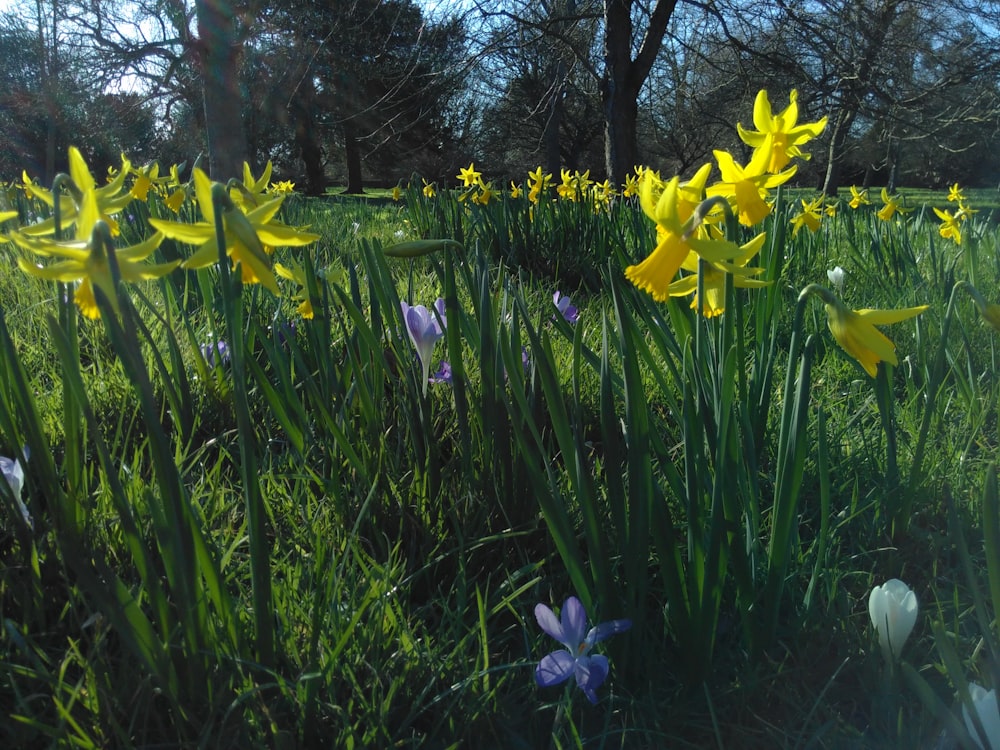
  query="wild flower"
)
[
  {"x": 570, "y": 629},
  {"x": 210, "y": 350},
  {"x": 569, "y": 311},
  {"x": 984, "y": 702},
  {"x": 893, "y": 611},
  {"x": 424, "y": 329},
  {"x": 836, "y": 276},
  {"x": 13, "y": 472}
]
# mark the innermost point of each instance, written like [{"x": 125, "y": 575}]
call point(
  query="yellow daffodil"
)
[
  {"x": 631, "y": 187},
  {"x": 397, "y": 193},
  {"x": 86, "y": 261},
  {"x": 858, "y": 197},
  {"x": 111, "y": 198},
  {"x": 891, "y": 205},
  {"x": 779, "y": 136},
  {"x": 955, "y": 194},
  {"x": 484, "y": 195},
  {"x": 428, "y": 190},
  {"x": 747, "y": 186},
  {"x": 146, "y": 178},
  {"x": 964, "y": 212},
  {"x": 671, "y": 205},
  {"x": 809, "y": 217},
  {"x": 294, "y": 272},
  {"x": 574, "y": 186},
  {"x": 469, "y": 176},
  {"x": 714, "y": 278},
  {"x": 249, "y": 234},
  {"x": 251, "y": 192},
  {"x": 856, "y": 333},
  {"x": 538, "y": 183},
  {"x": 285, "y": 187},
  {"x": 950, "y": 226},
  {"x": 516, "y": 191}
]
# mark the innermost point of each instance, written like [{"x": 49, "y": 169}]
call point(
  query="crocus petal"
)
[
  {"x": 549, "y": 623},
  {"x": 591, "y": 671},
  {"x": 555, "y": 668},
  {"x": 985, "y": 704},
  {"x": 607, "y": 629},
  {"x": 574, "y": 622}
]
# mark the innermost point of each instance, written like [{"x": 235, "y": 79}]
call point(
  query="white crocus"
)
[
  {"x": 836, "y": 276},
  {"x": 985, "y": 703},
  {"x": 893, "y": 609},
  {"x": 13, "y": 472}
]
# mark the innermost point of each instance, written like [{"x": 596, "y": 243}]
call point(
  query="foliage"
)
[{"x": 296, "y": 545}]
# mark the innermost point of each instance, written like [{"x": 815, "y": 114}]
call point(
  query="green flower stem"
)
[
  {"x": 260, "y": 558},
  {"x": 933, "y": 386}
]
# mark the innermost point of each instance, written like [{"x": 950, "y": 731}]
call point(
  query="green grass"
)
[{"x": 408, "y": 539}]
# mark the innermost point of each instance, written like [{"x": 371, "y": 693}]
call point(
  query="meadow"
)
[{"x": 288, "y": 472}]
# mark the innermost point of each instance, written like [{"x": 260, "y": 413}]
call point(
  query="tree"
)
[
  {"x": 218, "y": 53},
  {"x": 372, "y": 75}
]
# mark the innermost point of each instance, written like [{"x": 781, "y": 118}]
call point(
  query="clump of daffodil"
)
[
  {"x": 855, "y": 330},
  {"x": 110, "y": 198},
  {"x": 574, "y": 186},
  {"x": 85, "y": 259},
  {"x": 631, "y": 187},
  {"x": 602, "y": 194},
  {"x": 714, "y": 278},
  {"x": 294, "y": 272},
  {"x": 250, "y": 234},
  {"x": 891, "y": 205},
  {"x": 779, "y": 136},
  {"x": 809, "y": 217},
  {"x": 859, "y": 197},
  {"x": 679, "y": 232},
  {"x": 285, "y": 187},
  {"x": 538, "y": 184}
]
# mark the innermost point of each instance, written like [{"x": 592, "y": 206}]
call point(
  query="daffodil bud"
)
[{"x": 893, "y": 609}]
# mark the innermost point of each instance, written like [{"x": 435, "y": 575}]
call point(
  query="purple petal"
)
[
  {"x": 550, "y": 624},
  {"x": 574, "y": 623},
  {"x": 591, "y": 672},
  {"x": 439, "y": 306},
  {"x": 555, "y": 668},
  {"x": 607, "y": 629}
]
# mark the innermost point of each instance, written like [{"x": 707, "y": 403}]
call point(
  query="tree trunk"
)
[
  {"x": 306, "y": 140},
  {"x": 553, "y": 123},
  {"x": 835, "y": 154},
  {"x": 352, "y": 152},
  {"x": 220, "y": 86},
  {"x": 624, "y": 77}
]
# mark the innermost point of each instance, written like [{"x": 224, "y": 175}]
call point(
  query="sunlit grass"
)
[{"x": 410, "y": 538}]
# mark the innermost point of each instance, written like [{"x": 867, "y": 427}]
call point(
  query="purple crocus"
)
[
  {"x": 569, "y": 311},
  {"x": 209, "y": 351},
  {"x": 425, "y": 330},
  {"x": 443, "y": 373},
  {"x": 570, "y": 629}
]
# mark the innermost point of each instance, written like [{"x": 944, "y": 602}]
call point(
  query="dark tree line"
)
[{"x": 360, "y": 91}]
